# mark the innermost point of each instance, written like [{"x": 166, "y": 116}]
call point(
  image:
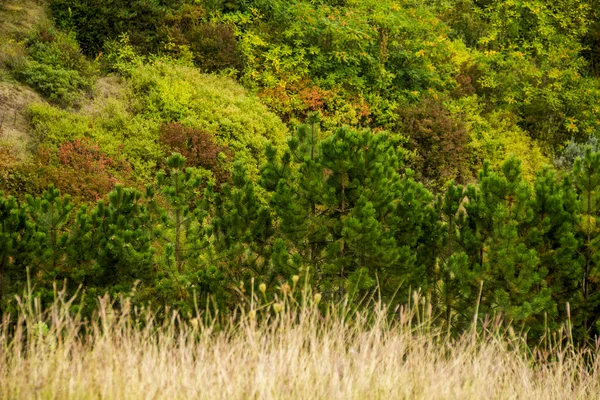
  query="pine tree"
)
[
  {"x": 182, "y": 231},
  {"x": 50, "y": 214},
  {"x": 179, "y": 230},
  {"x": 18, "y": 243},
  {"x": 335, "y": 200},
  {"x": 455, "y": 282},
  {"x": 513, "y": 280},
  {"x": 294, "y": 182},
  {"x": 418, "y": 231},
  {"x": 551, "y": 233},
  {"x": 240, "y": 228},
  {"x": 118, "y": 236},
  {"x": 82, "y": 250},
  {"x": 478, "y": 226},
  {"x": 361, "y": 185},
  {"x": 586, "y": 177}
]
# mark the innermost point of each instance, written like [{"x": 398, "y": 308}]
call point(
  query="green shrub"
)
[
  {"x": 118, "y": 133},
  {"x": 166, "y": 91},
  {"x": 18, "y": 177},
  {"x": 162, "y": 92},
  {"x": 55, "y": 66},
  {"x": 214, "y": 45},
  {"x": 80, "y": 169},
  {"x": 56, "y": 84},
  {"x": 198, "y": 148},
  {"x": 439, "y": 140},
  {"x": 495, "y": 136}
]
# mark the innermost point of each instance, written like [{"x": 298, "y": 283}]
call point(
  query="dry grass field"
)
[{"x": 282, "y": 351}]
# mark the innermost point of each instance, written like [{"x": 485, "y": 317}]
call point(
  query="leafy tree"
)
[
  {"x": 214, "y": 45},
  {"x": 96, "y": 21}
]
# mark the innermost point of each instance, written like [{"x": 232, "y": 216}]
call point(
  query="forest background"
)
[{"x": 189, "y": 152}]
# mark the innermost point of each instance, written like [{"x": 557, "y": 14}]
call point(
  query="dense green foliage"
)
[
  {"x": 422, "y": 134},
  {"x": 53, "y": 64},
  {"x": 86, "y": 152},
  {"x": 521, "y": 75},
  {"x": 345, "y": 215}
]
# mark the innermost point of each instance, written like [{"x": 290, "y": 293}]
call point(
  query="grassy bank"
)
[{"x": 286, "y": 350}]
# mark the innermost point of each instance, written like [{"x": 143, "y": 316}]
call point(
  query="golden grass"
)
[{"x": 296, "y": 353}]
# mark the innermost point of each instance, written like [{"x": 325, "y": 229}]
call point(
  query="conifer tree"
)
[
  {"x": 180, "y": 231},
  {"x": 455, "y": 279},
  {"x": 295, "y": 182},
  {"x": 335, "y": 200},
  {"x": 418, "y": 232},
  {"x": 118, "y": 237},
  {"x": 551, "y": 233},
  {"x": 240, "y": 228},
  {"x": 513, "y": 281},
  {"x": 50, "y": 214},
  {"x": 361, "y": 186},
  {"x": 182, "y": 226},
  {"x": 18, "y": 242},
  {"x": 81, "y": 251},
  {"x": 478, "y": 225},
  {"x": 586, "y": 176}
]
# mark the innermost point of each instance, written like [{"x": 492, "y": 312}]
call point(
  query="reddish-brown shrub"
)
[
  {"x": 81, "y": 169},
  {"x": 466, "y": 81},
  {"x": 439, "y": 140},
  {"x": 297, "y": 100},
  {"x": 198, "y": 147}
]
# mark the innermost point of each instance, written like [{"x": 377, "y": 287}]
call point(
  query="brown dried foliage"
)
[
  {"x": 439, "y": 140},
  {"x": 81, "y": 169},
  {"x": 198, "y": 147}
]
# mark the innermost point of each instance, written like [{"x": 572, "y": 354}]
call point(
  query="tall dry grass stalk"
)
[{"x": 276, "y": 351}]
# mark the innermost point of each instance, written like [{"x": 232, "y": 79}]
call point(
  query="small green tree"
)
[
  {"x": 182, "y": 229},
  {"x": 240, "y": 229},
  {"x": 119, "y": 238},
  {"x": 551, "y": 232},
  {"x": 50, "y": 214},
  {"x": 513, "y": 279},
  {"x": 336, "y": 204},
  {"x": 18, "y": 242},
  {"x": 454, "y": 264},
  {"x": 586, "y": 176},
  {"x": 419, "y": 232}
]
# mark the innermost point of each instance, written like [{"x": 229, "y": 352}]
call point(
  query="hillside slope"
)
[
  {"x": 52, "y": 98},
  {"x": 19, "y": 19}
]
